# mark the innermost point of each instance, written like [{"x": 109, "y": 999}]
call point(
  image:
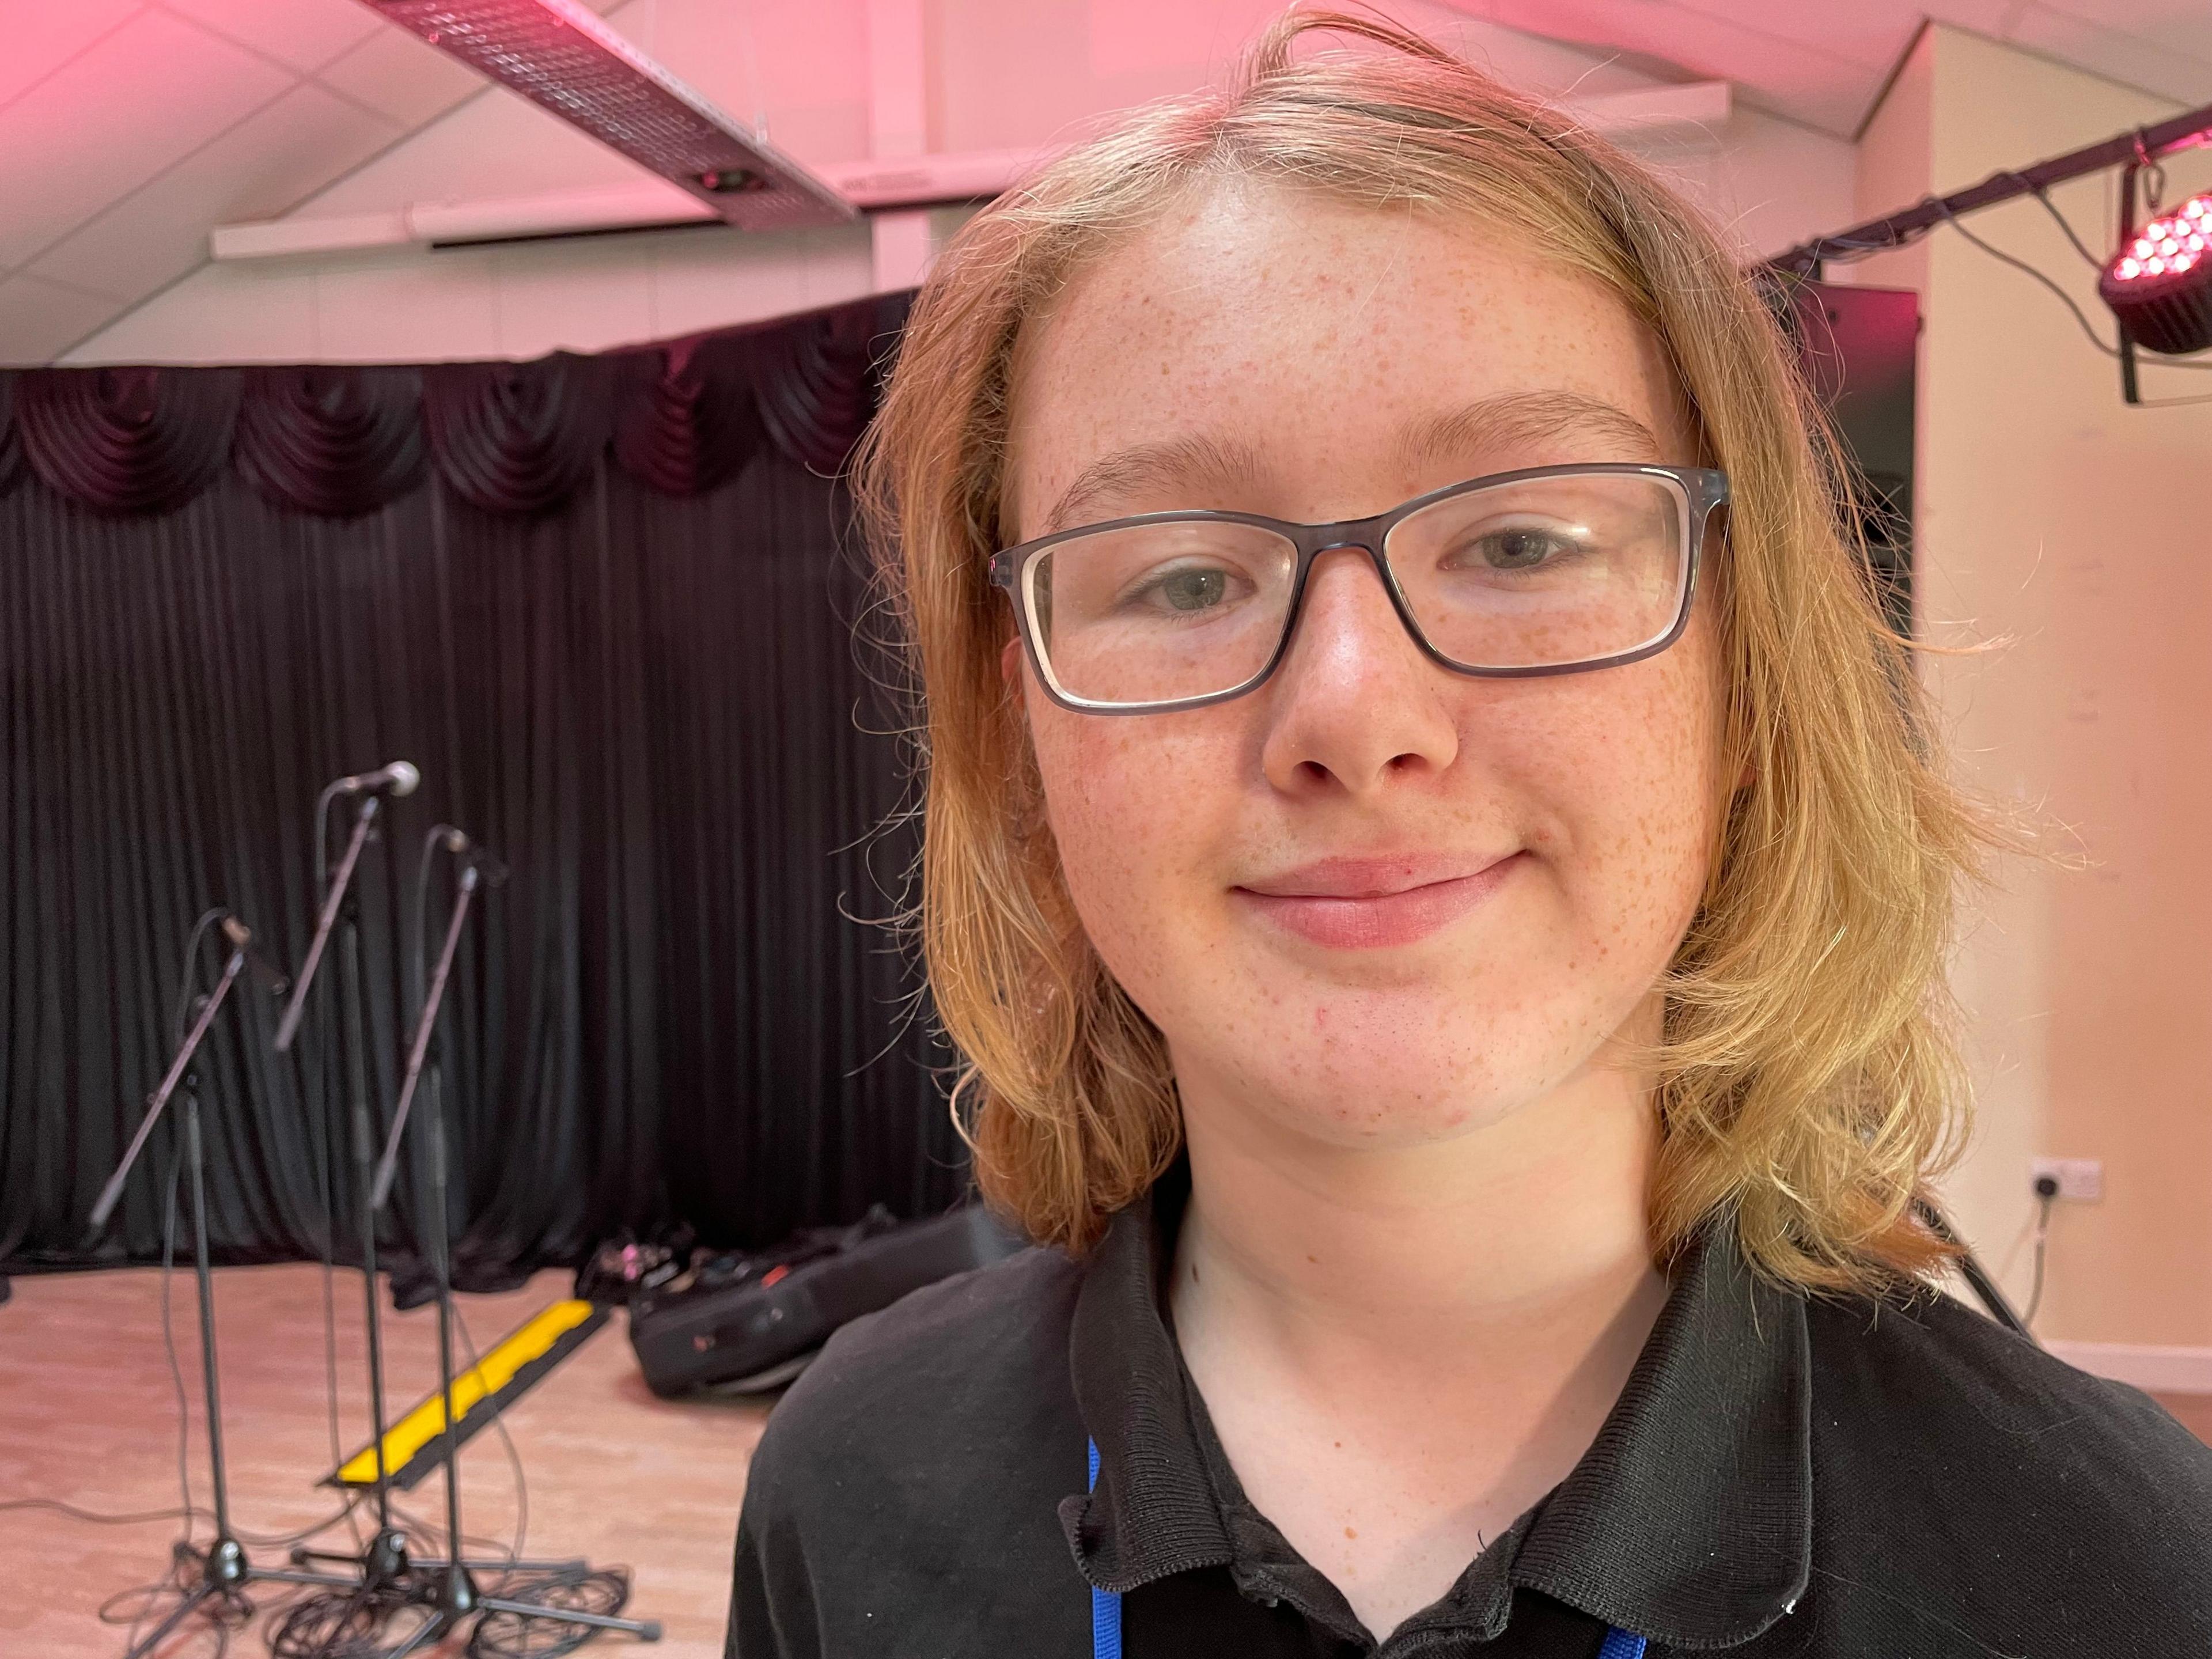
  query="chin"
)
[
  {"x": 1386, "y": 1049},
  {"x": 1395, "y": 1114},
  {"x": 1391, "y": 1076}
]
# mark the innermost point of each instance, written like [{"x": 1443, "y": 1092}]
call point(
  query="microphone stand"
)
[
  {"x": 384, "y": 1561},
  {"x": 457, "y": 1595},
  {"x": 224, "y": 1570}
]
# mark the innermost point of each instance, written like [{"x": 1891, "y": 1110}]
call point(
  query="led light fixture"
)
[{"x": 2160, "y": 285}]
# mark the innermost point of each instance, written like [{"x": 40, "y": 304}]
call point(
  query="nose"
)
[{"x": 1355, "y": 703}]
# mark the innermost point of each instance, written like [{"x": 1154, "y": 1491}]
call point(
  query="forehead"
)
[{"x": 1325, "y": 356}]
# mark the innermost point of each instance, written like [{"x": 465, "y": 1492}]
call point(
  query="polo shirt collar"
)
[
  {"x": 1153, "y": 1511},
  {"x": 1688, "y": 1521}
]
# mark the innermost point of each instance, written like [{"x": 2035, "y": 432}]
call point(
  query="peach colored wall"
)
[{"x": 2066, "y": 532}]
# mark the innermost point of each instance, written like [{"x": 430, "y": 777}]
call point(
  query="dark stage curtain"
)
[{"x": 607, "y": 606}]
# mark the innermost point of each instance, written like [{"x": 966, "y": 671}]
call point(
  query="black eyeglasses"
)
[{"x": 1550, "y": 570}]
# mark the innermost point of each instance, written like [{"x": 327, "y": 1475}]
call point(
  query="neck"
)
[
  {"x": 1404, "y": 1349},
  {"x": 1521, "y": 1245}
]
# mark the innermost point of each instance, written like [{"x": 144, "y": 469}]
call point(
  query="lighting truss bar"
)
[
  {"x": 2142, "y": 144},
  {"x": 564, "y": 59}
]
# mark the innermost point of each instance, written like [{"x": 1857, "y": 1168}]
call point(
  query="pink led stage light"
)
[{"x": 2160, "y": 285}]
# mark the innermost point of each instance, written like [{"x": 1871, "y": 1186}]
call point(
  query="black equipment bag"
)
[{"x": 746, "y": 1323}]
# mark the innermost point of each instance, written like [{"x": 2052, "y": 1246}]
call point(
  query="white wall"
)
[
  {"x": 2061, "y": 532},
  {"x": 1000, "y": 74}
]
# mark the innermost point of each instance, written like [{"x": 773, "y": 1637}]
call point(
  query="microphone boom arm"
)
[
  {"x": 420, "y": 1048},
  {"x": 289, "y": 1027},
  {"x": 113, "y": 1191}
]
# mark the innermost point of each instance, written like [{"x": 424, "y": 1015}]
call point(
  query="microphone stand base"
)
[
  {"x": 224, "y": 1574},
  {"x": 382, "y": 1564}
]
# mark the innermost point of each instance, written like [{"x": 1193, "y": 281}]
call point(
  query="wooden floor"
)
[{"x": 88, "y": 1415}]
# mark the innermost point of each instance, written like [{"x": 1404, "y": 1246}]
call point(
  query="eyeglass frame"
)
[{"x": 1703, "y": 489}]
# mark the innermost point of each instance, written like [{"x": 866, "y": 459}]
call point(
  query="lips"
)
[{"x": 1369, "y": 903}]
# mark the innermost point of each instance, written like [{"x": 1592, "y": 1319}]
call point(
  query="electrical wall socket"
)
[{"x": 2081, "y": 1179}]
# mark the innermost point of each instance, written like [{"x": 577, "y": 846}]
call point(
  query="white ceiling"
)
[
  {"x": 1824, "y": 62},
  {"x": 129, "y": 128}
]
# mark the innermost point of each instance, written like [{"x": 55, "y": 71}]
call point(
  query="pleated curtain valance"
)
[{"x": 336, "y": 441}]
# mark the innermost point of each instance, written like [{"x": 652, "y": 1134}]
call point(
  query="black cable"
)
[
  {"x": 327, "y": 1169},
  {"x": 2042, "y": 1241},
  {"x": 437, "y": 835},
  {"x": 76, "y": 1514},
  {"x": 169, "y": 1338},
  {"x": 1837, "y": 249},
  {"x": 222, "y": 1614},
  {"x": 2064, "y": 299},
  {"x": 178, "y": 1581},
  {"x": 278, "y": 1541},
  {"x": 190, "y": 1512},
  {"x": 342, "y": 1624},
  {"x": 513, "y": 1455},
  {"x": 604, "y": 1590},
  {"x": 180, "y": 1018},
  {"x": 442, "y": 835},
  {"x": 2043, "y": 198},
  {"x": 427, "y": 1537},
  {"x": 2022, "y": 266}
]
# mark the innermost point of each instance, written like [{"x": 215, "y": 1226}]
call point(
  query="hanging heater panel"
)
[{"x": 564, "y": 59}]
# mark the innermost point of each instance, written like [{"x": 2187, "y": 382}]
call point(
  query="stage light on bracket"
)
[{"x": 2160, "y": 285}]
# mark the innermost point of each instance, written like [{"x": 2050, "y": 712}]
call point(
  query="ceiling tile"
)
[
  {"x": 1551, "y": 69},
  {"x": 2182, "y": 26},
  {"x": 2108, "y": 53},
  {"x": 394, "y": 73},
  {"x": 264, "y": 166},
  {"x": 763, "y": 62},
  {"x": 1872, "y": 32},
  {"x": 39, "y": 320},
  {"x": 305, "y": 34},
  {"x": 154, "y": 90},
  {"x": 42, "y": 38},
  {"x": 1808, "y": 85},
  {"x": 492, "y": 146}
]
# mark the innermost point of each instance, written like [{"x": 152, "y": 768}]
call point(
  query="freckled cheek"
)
[
  {"x": 1134, "y": 812},
  {"x": 1622, "y": 771}
]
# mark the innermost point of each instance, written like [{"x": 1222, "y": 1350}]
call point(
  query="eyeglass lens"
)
[{"x": 1543, "y": 573}]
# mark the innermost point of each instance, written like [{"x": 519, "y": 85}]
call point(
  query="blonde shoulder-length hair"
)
[{"x": 1807, "y": 1084}]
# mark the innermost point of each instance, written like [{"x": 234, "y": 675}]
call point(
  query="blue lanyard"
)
[
  {"x": 1106, "y": 1615},
  {"x": 1105, "y": 1605}
]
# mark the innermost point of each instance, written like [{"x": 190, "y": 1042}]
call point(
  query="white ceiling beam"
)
[
  {"x": 899, "y": 131},
  {"x": 892, "y": 188}
]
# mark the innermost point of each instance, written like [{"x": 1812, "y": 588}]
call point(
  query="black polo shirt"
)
[{"x": 1781, "y": 1476}]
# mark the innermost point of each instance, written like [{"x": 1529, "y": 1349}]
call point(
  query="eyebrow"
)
[
  {"x": 1507, "y": 421},
  {"x": 1197, "y": 461},
  {"x": 1521, "y": 419}
]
